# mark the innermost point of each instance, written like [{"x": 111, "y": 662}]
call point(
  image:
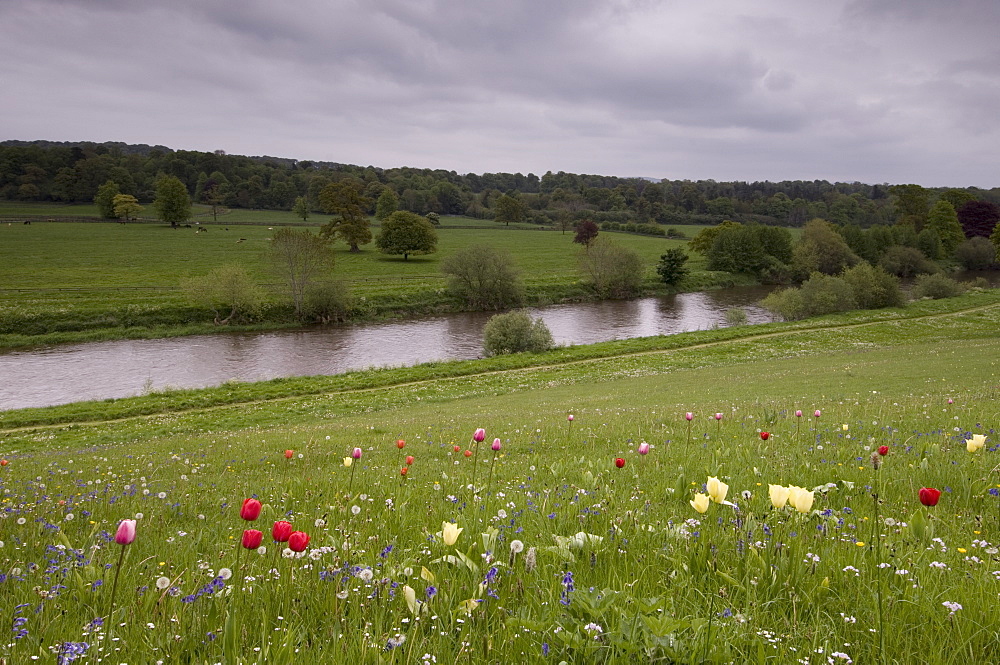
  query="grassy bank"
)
[
  {"x": 563, "y": 555},
  {"x": 77, "y": 282}
]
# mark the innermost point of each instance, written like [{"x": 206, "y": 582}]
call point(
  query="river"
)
[{"x": 98, "y": 370}]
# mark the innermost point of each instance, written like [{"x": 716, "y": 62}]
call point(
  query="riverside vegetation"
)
[
  {"x": 86, "y": 281},
  {"x": 633, "y": 505}
]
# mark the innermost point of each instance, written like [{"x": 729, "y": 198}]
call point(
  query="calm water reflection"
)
[{"x": 61, "y": 374}]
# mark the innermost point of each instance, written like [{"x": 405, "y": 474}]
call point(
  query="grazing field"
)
[
  {"x": 76, "y": 281},
  {"x": 630, "y": 533}
]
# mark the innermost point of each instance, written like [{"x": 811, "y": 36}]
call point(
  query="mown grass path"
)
[{"x": 608, "y": 361}]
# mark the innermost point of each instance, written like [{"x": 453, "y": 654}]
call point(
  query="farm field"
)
[{"x": 565, "y": 540}]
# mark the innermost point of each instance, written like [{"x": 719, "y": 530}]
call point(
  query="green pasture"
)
[
  {"x": 63, "y": 281},
  {"x": 563, "y": 556}
]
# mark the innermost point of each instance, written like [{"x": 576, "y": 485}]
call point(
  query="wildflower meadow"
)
[{"x": 812, "y": 509}]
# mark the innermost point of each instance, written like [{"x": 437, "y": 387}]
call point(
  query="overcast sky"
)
[{"x": 893, "y": 91}]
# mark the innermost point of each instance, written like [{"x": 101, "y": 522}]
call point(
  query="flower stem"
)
[{"x": 114, "y": 585}]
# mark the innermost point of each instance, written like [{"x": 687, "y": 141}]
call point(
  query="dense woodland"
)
[{"x": 73, "y": 172}]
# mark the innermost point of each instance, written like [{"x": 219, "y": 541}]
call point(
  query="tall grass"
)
[{"x": 565, "y": 557}]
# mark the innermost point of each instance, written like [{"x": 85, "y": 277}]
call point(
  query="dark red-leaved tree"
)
[
  {"x": 586, "y": 231},
  {"x": 978, "y": 218}
]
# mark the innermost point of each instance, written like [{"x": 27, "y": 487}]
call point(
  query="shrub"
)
[
  {"x": 906, "y": 262},
  {"x": 820, "y": 294},
  {"x": 515, "y": 332},
  {"x": 228, "y": 291},
  {"x": 612, "y": 271},
  {"x": 736, "y": 316},
  {"x": 327, "y": 301},
  {"x": 976, "y": 254},
  {"x": 786, "y": 303},
  {"x": 873, "y": 287},
  {"x": 936, "y": 286},
  {"x": 484, "y": 277},
  {"x": 671, "y": 268},
  {"x": 824, "y": 294}
]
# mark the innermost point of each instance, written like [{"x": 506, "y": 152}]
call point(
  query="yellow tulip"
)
[
  {"x": 800, "y": 498},
  {"x": 450, "y": 533},
  {"x": 411, "y": 598},
  {"x": 717, "y": 489},
  {"x": 975, "y": 443},
  {"x": 700, "y": 502},
  {"x": 348, "y": 461},
  {"x": 779, "y": 495}
]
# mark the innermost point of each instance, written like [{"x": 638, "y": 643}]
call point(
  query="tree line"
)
[{"x": 74, "y": 172}]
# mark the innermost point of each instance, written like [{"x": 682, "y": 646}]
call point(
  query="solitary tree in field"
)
[
  {"x": 406, "y": 233},
  {"x": 350, "y": 223},
  {"x": 172, "y": 203},
  {"x": 508, "y": 209},
  {"x": 105, "y": 199},
  {"x": 126, "y": 207},
  {"x": 301, "y": 208},
  {"x": 586, "y": 233},
  {"x": 300, "y": 258}
]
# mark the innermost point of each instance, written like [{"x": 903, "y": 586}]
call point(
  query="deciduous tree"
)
[
  {"x": 484, "y": 277},
  {"x": 671, "y": 268},
  {"x": 406, "y": 233},
  {"x": 172, "y": 203},
  {"x": 979, "y": 218},
  {"x": 387, "y": 203},
  {"x": 350, "y": 224},
  {"x": 508, "y": 209},
  {"x": 300, "y": 258},
  {"x": 943, "y": 220},
  {"x": 126, "y": 207},
  {"x": 105, "y": 199},
  {"x": 586, "y": 233}
]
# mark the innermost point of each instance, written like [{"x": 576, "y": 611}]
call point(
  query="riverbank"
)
[
  {"x": 67, "y": 283},
  {"x": 978, "y": 310}
]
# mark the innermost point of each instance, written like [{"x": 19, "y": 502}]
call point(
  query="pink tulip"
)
[
  {"x": 643, "y": 448},
  {"x": 718, "y": 416},
  {"x": 817, "y": 414},
  {"x": 356, "y": 454},
  {"x": 126, "y": 532},
  {"x": 570, "y": 417},
  {"x": 479, "y": 435},
  {"x": 798, "y": 413},
  {"x": 689, "y": 415},
  {"x": 496, "y": 444}
]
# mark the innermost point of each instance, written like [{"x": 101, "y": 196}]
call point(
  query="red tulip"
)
[
  {"x": 619, "y": 462},
  {"x": 4, "y": 462},
  {"x": 409, "y": 460},
  {"x": 252, "y": 538},
  {"x": 765, "y": 435},
  {"x": 298, "y": 541},
  {"x": 250, "y": 510},
  {"x": 929, "y": 496},
  {"x": 468, "y": 453},
  {"x": 289, "y": 453},
  {"x": 400, "y": 443},
  {"x": 457, "y": 448},
  {"x": 883, "y": 450},
  {"x": 126, "y": 532},
  {"x": 479, "y": 435},
  {"x": 281, "y": 531},
  {"x": 404, "y": 471}
]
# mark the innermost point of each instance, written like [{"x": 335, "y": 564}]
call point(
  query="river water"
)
[{"x": 98, "y": 370}]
